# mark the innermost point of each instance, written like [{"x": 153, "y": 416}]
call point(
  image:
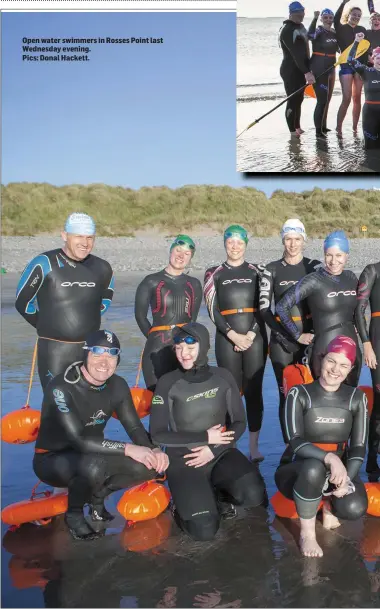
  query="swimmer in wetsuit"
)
[
  {"x": 331, "y": 297},
  {"x": 295, "y": 68},
  {"x": 198, "y": 415},
  {"x": 351, "y": 84},
  {"x": 63, "y": 293},
  {"x": 371, "y": 80},
  {"x": 320, "y": 419},
  {"x": 174, "y": 298},
  {"x": 231, "y": 293},
  {"x": 276, "y": 279},
  {"x": 325, "y": 47},
  {"x": 369, "y": 293},
  {"x": 71, "y": 450}
]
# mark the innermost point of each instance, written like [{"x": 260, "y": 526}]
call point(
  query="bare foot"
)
[
  {"x": 310, "y": 547},
  {"x": 329, "y": 520},
  {"x": 299, "y": 131},
  {"x": 339, "y": 131},
  {"x": 294, "y": 134}
]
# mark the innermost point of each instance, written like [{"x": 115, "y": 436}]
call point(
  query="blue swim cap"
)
[
  {"x": 80, "y": 224},
  {"x": 296, "y": 7},
  {"x": 337, "y": 239},
  {"x": 327, "y": 11}
]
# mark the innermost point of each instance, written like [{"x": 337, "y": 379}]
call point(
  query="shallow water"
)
[
  {"x": 268, "y": 146},
  {"x": 253, "y": 562}
]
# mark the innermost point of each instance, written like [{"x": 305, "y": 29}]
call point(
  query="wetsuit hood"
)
[{"x": 201, "y": 334}]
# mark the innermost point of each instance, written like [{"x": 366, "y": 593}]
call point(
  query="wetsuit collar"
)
[
  {"x": 230, "y": 267},
  {"x": 70, "y": 261},
  {"x": 73, "y": 375}
]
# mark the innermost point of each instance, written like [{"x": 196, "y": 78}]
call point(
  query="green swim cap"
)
[
  {"x": 184, "y": 241},
  {"x": 236, "y": 232}
]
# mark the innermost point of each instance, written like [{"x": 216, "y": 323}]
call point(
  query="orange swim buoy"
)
[
  {"x": 285, "y": 508},
  {"x": 36, "y": 509},
  {"x": 143, "y": 536},
  {"x": 369, "y": 393},
  {"x": 309, "y": 91},
  {"x": 142, "y": 400},
  {"x": 373, "y": 494},
  {"x": 20, "y": 426},
  {"x": 296, "y": 374},
  {"x": 144, "y": 501}
]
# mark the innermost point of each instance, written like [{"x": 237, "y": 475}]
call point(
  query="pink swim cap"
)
[
  {"x": 376, "y": 52},
  {"x": 344, "y": 345}
]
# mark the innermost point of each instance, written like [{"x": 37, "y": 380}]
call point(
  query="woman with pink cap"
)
[{"x": 325, "y": 420}]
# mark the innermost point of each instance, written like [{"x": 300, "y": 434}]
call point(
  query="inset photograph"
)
[{"x": 308, "y": 87}]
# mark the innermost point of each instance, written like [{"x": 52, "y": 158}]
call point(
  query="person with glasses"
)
[
  {"x": 231, "y": 292},
  {"x": 197, "y": 415},
  {"x": 276, "y": 279},
  {"x": 324, "y": 421},
  {"x": 71, "y": 450},
  {"x": 63, "y": 293},
  {"x": 174, "y": 298}
]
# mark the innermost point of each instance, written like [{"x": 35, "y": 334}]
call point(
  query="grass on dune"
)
[{"x": 32, "y": 209}]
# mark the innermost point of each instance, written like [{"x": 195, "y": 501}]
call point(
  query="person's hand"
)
[
  {"x": 218, "y": 435},
  {"x": 369, "y": 355},
  {"x": 162, "y": 460},
  {"x": 141, "y": 454},
  {"x": 251, "y": 336},
  {"x": 316, "y": 14},
  {"x": 199, "y": 456},
  {"x": 306, "y": 338},
  {"x": 240, "y": 340},
  {"x": 359, "y": 37},
  {"x": 342, "y": 490},
  {"x": 310, "y": 78},
  {"x": 338, "y": 473}
]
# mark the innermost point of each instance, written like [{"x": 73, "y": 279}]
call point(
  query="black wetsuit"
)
[
  {"x": 294, "y": 43},
  {"x": 227, "y": 288},
  {"x": 64, "y": 300},
  {"x": 346, "y": 35},
  {"x": 371, "y": 109},
  {"x": 332, "y": 301},
  {"x": 372, "y": 35},
  {"x": 184, "y": 407},
  {"x": 369, "y": 292},
  {"x": 172, "y": 300},
  {"x": 325, "y": 46},
  {"x": 314, "y": 415},
  {"x": 78, "y": 456},
  {"x": 277, "y": 278}
]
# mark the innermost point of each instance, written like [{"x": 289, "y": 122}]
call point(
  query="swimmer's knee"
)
[
  {"x": 350, "y": 507},
  {"x": 202, "y": 527},
  {"x": 93, "y": 469},
  {"x": 249, "y": 491},
  {"x": 313, "y": 471}
]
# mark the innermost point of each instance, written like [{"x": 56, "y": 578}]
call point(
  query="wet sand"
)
[{"x": 253, "y": 562}]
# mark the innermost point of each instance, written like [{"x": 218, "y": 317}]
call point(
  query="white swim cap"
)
[
  {"x": 293, "y": 226},
  {"x": 80, "y": 224}
]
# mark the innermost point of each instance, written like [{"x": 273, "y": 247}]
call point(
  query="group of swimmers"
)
[
  {"x": 299, "y": 68},
  {"x": 197, "y": 413}
]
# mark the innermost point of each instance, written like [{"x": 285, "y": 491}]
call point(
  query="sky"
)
[
  {"x": 279, "y": 8},
  {"x": 134, "y": 115}
]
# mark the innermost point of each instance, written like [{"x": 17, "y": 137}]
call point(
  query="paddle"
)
[{"x": 363, "y": 46}]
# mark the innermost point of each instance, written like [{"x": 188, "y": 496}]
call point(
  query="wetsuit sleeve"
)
[
  {"x": 297, "y": 49},
  {"x": 129, "y": 418},
  {"x": 313, "y": 31},
  {"x": 198, "y": 293},
  {"x": 371, "y": 7},
  {"x": 161, "y": 423},
  {"x": 338, "y": 17},
  {"x": 28, "y": 287},
  {"x": 142, "y": 301},
  {"x": 73, "y": 426},
  {"x": 304, "y": 288},
  {"x": 211, "y": 299},
  {"x": 296, "y": 402},
  {"x": 236, "y": 414},
  {"x": 354, "y": 63},
  {"x": 108, "y": 291},
  {"x": 366, "y": 281},
  {"x": 359, "y": 433},
  {"x": 266, "y": 295}
]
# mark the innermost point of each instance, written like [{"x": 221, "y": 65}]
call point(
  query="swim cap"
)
[
  {"x": 101, "y": 338},
  {"x": 327, "y": 11},
  {"x": 337, "y": 239},
  {"x": 235, "y": 231},
  {"x": 296, "y": 7},
  {"x": 80, "y": 224},
  {"x": 201, "y": 334},
  {"x": 377, "y": 15},
  {"x": 344, "y": 345},
  {"x": 376, "y": 51},
  {"x": 293, "y": 225},
  {"x": 184, "y": 241}
]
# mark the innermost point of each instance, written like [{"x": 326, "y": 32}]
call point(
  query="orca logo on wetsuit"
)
[
  {"x": 210, "y": 393},
  {"x": 328, "y": 420},
  {"x": 376, "y": 82},
  {"x": 59, "y": 399},
  {"x": 264, "y": 292},
  {"x": 81, "y": 284},
  {"x": 227, "y": 281},
  {"x": 346, "y": 293},
  {"x": 288, "y": 282}
]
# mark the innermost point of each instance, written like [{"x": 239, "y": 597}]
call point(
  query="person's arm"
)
[
  {"x": 28, "y": 287},
  {"x": 73, "y": 426},
  {"x": 371, "y": 7},
  {"x": 198, "y": 294},
  {"x": 306, "y": 286},
  {"x": 359, "y": 434},
  {"x": 354, "y": 63},
  {"x": 128, "y": 417},
  {"x": 109, "y": 284},
  {"x": 142, "y": 301},
  {"x": 338, "y": 16},
  {"x": 266, "y": 295},
  {"x": 161, "y": 425},
  {"x": 298, "y": 50},
  {"x": 313, "y": 31},
  {"x": 211, "y": 300},
  {"x": 296, "y": 401},
  {"x": 366, "y": 281}
]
